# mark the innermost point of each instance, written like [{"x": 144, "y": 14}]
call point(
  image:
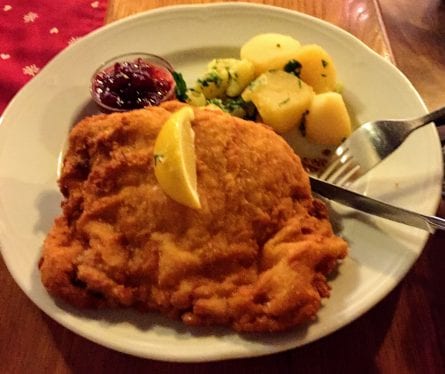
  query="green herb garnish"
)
[
  {"x": 324, "y": 63},
  {"x": 293, "y": 67},
  {"x": 284, "y": 101},
  {"x": 211, "y": 77},
  {"x": 235, "y": 103},
  {"x": 181, "y": 87},
  {"x": 236, "y": 106},
  {"x": 158, "y": 159},
  {"x": 218, "y": 102}
]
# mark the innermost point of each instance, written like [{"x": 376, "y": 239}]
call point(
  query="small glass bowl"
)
[{"x": 162, "y": 66}]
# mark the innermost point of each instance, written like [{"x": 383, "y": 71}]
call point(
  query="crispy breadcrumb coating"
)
[{"x": 254, "y": 258}]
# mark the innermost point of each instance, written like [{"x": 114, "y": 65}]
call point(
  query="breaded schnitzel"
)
[{"x": 255, "y": 257}]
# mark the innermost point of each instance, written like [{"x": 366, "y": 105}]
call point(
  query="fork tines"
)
[{"x": 342, "y": 169}]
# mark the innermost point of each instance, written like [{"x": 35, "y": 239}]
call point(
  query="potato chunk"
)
[
  {"x": 280, "y": 98},
  {"x": 195, "y": 98},
  {"x": 317, "y": 68},
  {"x": 225, "y": 76},
  {"x": 241, "y": 73},
  {"x": 269, "y": 51},
  {"x": 327, "y": 121},
  {"x": 214, "y": 82}
]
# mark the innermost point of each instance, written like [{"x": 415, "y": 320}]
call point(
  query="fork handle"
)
[{"x": 436, "y": 116}]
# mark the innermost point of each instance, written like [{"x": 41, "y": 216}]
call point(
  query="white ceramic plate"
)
[{"x": 36, "y": 124}]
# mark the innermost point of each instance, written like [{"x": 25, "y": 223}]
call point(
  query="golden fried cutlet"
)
[{"x": 254, "y": 258}]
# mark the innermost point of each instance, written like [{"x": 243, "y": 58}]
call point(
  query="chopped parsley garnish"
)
[
  {"x": 278, "y": 45},
  {"x": 158, "y": 159},
  {"x": 211, "y": 77},
  {"x": 216, "y": 101},
  {"x": 324, "y": 63},
  {"x": 181, "y": 88},
  {"x": 233, "y": 104},
  {"x": 284, "y": 101},
  {"x": 228, "y": 104},
  {"x": 293, "y": 67}
]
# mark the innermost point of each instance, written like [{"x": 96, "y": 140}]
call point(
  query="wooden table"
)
[{"x": 404, "y": 333}]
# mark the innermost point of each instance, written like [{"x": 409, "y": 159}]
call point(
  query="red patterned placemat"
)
[{"x": 33, "y": 32}]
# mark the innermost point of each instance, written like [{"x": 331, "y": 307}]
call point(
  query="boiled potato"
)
[
  {"x": 260, "y": 82},
  {"x": 327, "y": 121},
  {"x": 317, "y": 68},
  {"x": 225, "y": 76},
  {"x": 269, "y": 51},
  {"x": 280, "y": 98},
  {"x": 195, "y": 98},
  {"x": 241, "y": 73},
  {"x": 214, "y": 82}
]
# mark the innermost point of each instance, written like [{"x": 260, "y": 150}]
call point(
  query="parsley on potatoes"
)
[
  {"x": 269, "y": 51},
  {"x": 280, "y": 98},
  {"x": 317, "y": 68},
  {"x": 283, "y": 93},
  {"x": 280, "y": 82},
  {"x": 225, "y": 77}
]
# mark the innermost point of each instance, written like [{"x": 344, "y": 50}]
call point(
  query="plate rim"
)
[{"x": 209, "y": 7}]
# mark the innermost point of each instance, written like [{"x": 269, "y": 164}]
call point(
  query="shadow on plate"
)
[
  {"x": 145, "y": 321},
  {"x": 48, "y": 204}
]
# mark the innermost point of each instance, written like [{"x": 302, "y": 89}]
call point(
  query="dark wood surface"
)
[{"x": 404, "y": 333}]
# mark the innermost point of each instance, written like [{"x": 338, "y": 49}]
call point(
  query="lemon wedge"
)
[{"x": 175, "y": 158}]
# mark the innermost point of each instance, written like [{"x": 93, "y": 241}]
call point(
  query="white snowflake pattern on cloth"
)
[
  {"x": 31, "y": 70},
  {"x": 5, "y": 56},
  {"x": 7, "y": 8},
  {"x": 30, "y": 17},
  {"x": 95, "y": 4},
  {"x": 54, "y": 30}
]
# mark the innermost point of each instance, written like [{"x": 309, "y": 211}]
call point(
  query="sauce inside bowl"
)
[{"x": 133, "y": 81}]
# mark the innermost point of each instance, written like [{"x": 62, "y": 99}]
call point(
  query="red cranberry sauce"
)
[{"x": 130, "y": 85}]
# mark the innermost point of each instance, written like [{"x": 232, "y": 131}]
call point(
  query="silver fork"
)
[{"x": 370, "y": 144}]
